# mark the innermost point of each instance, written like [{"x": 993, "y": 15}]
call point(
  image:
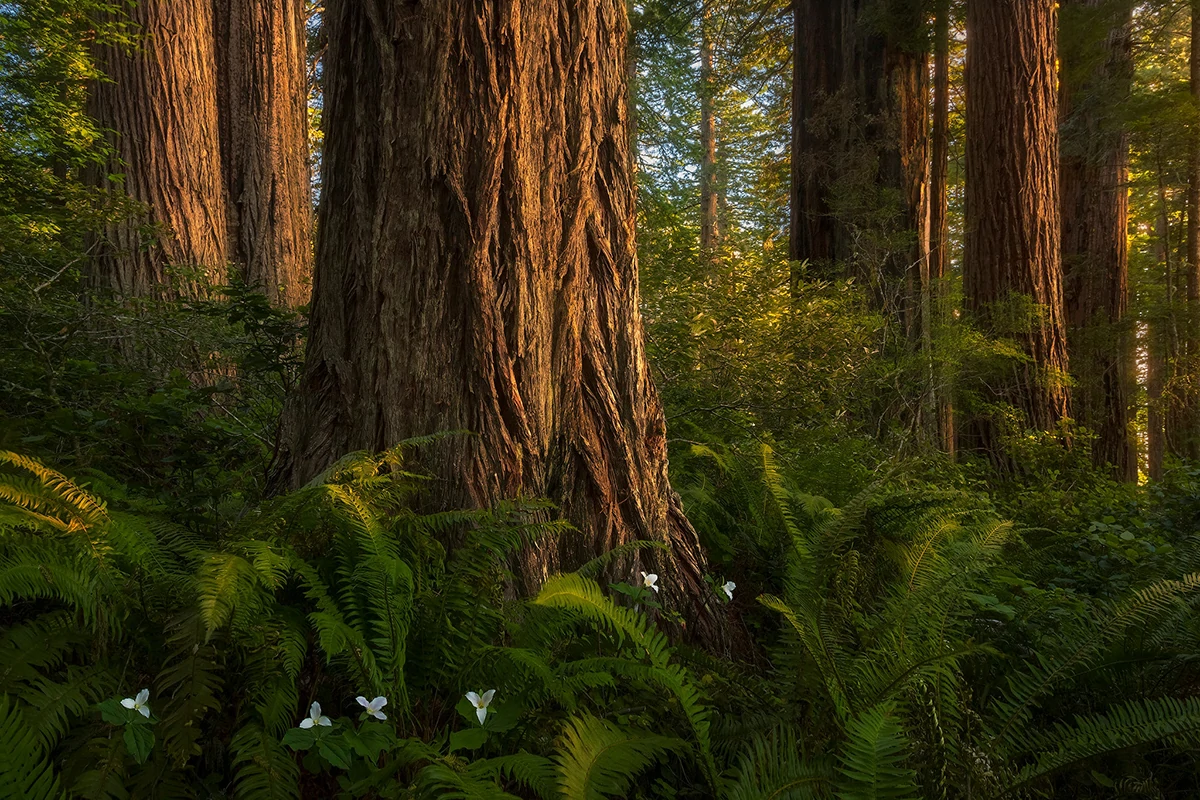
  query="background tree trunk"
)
[
  {"x": 476, "y": 270},
  {"x": 1012, "y": 270},
  {"x": 262, "y": 49},
  {"x": 901, "y": 107},
  {"x": 820, "y": 28},
  {"x": 1095, "y": 211},
  {"x": 1188, "y": 431},
  {"x": 709, "y": 229},
  {"x": 939, "y": 209},
  {"x": 161, "y": 103}
]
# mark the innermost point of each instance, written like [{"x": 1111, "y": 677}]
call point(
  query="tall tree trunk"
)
[
  {"x": 1189, "y": 435},
  {"x": 939, "y": 209},
  {"x": 1158, "y": 346},
  {"x": 476, "y": 270},
  {"x": 1095, "y": 212},
  {"x": 1174, "y": 338},
  {"x": 819, "y": 30},
  {"x": 709, "y": 230},
  {"x": 160, "y": 101},
  {"x": 262, "y": 48},
  {"x": 1012, "y": 270},
  {"x": 901, "y": 106}
]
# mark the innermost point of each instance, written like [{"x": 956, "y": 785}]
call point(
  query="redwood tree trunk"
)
[
  {"x": 1012, "y": 270},
  {"x": 820, "y": 27},
  {"x": 262, "y": 48},
  {"x": 161, "y": 103},
  {"x": 476, "y": 269},
  {"x": 1188, "y": 435},
  {"x": 709, "y": 229},
  {"x": 1095, "y": 212},
  {"x": 939, "y": 208},
  {"x": 902, "y": 140}
]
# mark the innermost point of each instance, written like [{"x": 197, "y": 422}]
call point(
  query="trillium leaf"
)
[
  {"x": 335, "y": 751},
  {"x": 468, "y": 739},
  {"x": 112, "y": 712},
  {"x": 300, "y": 738},
  {"x": 139, "y": 739}
]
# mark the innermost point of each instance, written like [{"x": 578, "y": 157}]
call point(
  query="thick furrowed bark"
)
[
  {"x": 1095, "y": 211},
  {"x": 1012, "y": 269},
  {"x": 476, "y": 270},
  {"x": 160, "y": 101},
  {"x": 261, "y": 48}
]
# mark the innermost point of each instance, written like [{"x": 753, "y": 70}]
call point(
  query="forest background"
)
[{"x": 330, "y": 365}]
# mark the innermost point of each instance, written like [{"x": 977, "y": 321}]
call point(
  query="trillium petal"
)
[
  {"x": 378, "y": 703},
  {"x": 487, "y": 697},
  {"x": 655, "y": 588},
  {"x": 145, "y": 711},
  {"x": 314, "y": 710},
  {"x": 143, "y": 696},
  {"x": 362, "y": 701},
  {"x": 378, "y": 715},
  {"x": 129, "y": 702},
  {"x": 482, "y": 714},
  {"x": 306, "y": 723},
  {"x": 325, "y": 721},
  {"x": 474, "y": 698}
]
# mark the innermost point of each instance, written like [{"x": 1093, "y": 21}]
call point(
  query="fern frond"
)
[
  {"x": 188, "y": 686},
  {"x": 1025, "y": 688},
  {"x": 824, "y": 653},
  {"x": 773, "y": 767},
  {"x": 596, "y": 759},
  {"x": 25, "y": 771},
  {"x": 873, "y": 756},
  {"x": 536, "y": 772},
  {"x": 1127, "y": 725},
  {"x": 577, "y": 595},
  {"x": 263, "y": 767}
]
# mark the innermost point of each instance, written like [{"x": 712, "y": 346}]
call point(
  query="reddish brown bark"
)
[
  {"x": 1185, "y": 438},
  {"x": 1012, "y": 270},
  {"x": 903, "y": 145},
  {"x": 709, "y": 228},
  {"x": 939, "y": 213},
  {"x": 1095, "y": 212},
  {"x": 160, "y": 102},
  {"x": 264, "y": 139},
  {"x": 820, "y": 30},
  {"x": 476, "y": 270}
]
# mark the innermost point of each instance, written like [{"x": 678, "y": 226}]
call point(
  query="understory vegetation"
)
[{"x": 912, "y": 636}]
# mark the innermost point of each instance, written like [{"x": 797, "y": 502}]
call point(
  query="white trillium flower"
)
[
  {"x": 373, "y": 707},
  {"x": 481, "y": 703},
  {"x": 314, "y": 717},
  {"x": 139, "y": 703},
  {"x": 649, "y": 581},
  {"x": 728, "y": 589}
]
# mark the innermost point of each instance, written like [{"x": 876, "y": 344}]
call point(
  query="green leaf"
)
[
  {"x": 596, "y": 759},
  {"x": 370, "y": 740},
  {"x": 873, "y": 758},
  {"x": 335, "y": 750},
  {"x": 469, "y": 739},
  {"x": 112, "y": 712},
  {"x": 299, "y": 738},
  {"x": 140, "y": 741}
]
